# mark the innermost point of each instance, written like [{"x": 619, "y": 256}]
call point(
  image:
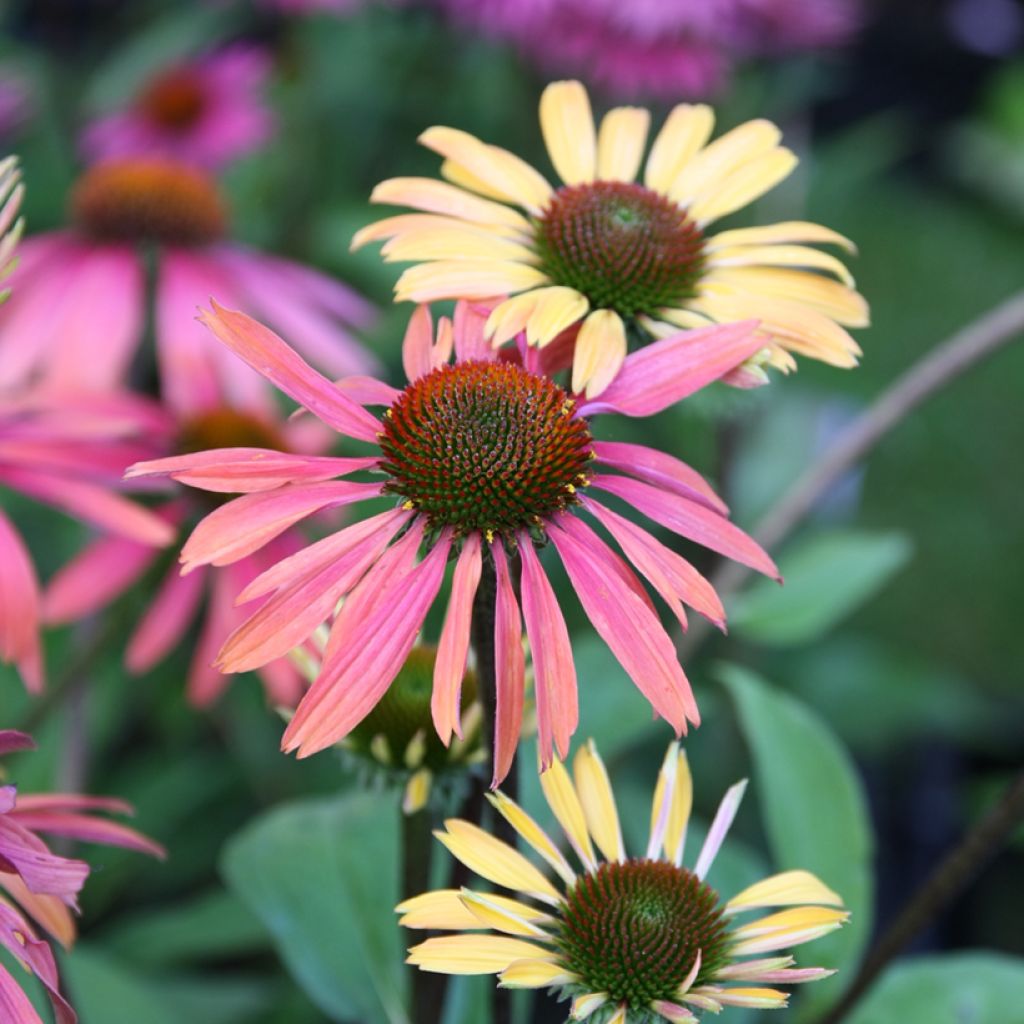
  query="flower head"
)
[
  {"x": 79, "y": 310},
  {"x": 487, "y": 460},
  {"x": 613, "y": 259},
  {"x": 206, "y": 111},
  {"x": 628, "y": 939}
]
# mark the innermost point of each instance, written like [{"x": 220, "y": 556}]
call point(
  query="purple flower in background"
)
[
  {"x": 658, "y": 48},
  {"x": 207, "y": 112}
]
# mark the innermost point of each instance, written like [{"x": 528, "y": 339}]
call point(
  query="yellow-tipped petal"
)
[
  {"x": 583, "y": 1006},
  {"x": 781, "y": 256},
  {"x": 758, "y": 998},
  {"x": 619, "y": 1016},
  {"x": 723, "y": 156},
  {"x": 673, "y": 1012},
  {"x": 743, "y": 186},
  {"x": 417, "y": 791},
  {"x": 454, "y": 241},
  {"x": 509, "y": 916},
  {"x": 790, "y": 888},
  {"x": 510, "y": 317},
  {"x": 535, "y": 974},
  {"x": 454, "y": 279},
  {"x": 566, "y": 807},
  {"x": 441, "y": 910},
  {"x": 533, "y": 834},
  {"x": 557, "y": 308},
  {"x": 449, "y": 200},
  {"x": 661, "y": 803},
  {"x": 600, "y": 352},
  {"x": 772, "y": 234},
  {"x": 786, "y": 928},
  {"x": 830, "y": 298},
  {"x": 598, "y": 801},
  {"x": 620, "y": 143},
  {"x": 494, "y": 860},
  {"x": 503, "y": 174},
  {"x": 473, "y": 954},
  {"x": 567, "y": 125},
  {"x": 685, "y": 131},
  {"x": 679, "y": 813}
]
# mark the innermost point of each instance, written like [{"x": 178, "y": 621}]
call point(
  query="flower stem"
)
[
  {"x": 961, "y": 864},
  {"x": 483, "y": 647}
]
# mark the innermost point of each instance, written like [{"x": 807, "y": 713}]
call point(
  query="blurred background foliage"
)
[{"x": 894, "y": 710}]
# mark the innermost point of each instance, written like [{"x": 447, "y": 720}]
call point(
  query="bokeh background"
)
[{"x": 900, "y": 626}]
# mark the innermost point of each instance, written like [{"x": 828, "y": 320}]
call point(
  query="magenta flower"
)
[
  {"x": 68, "y": 452},
  {"x": 41, "y": 886},
  {"x": 77, "y": 315},
  {"x": 488, "y": 459},
  {"x": 111, "y": 566},
  {"x": 207, "y": 112}
]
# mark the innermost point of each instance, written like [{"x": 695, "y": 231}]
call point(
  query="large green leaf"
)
[
  {"x": 814, "y": 810},
  {"x": 322, "y": 875},
  {"x": 828, "y": 576},
  {"x": 961, "y": 988}
]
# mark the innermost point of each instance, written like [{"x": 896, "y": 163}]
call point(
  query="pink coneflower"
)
[
  {"x": 488, "y": 459},
  {"x": 113, "y": 565},
  {"x": 206, "y": 111},
  {"x": 78, "y": 313},
  {"x": 39, "y": 886}
]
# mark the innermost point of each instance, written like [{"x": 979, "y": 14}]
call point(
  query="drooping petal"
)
[{"x": 503, "y": 916}]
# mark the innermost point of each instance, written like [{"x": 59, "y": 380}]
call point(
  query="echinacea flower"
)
[
  {"x": 487, "y": 459},
  {"x": 619, "y": 260},
  {"x": 631, "y": 940},
  {"x": 205, "y": 111},
  {"x": 37, "y": 885},
  {"x": 110, "y": 567},
  {"x": 79, "y": 310}
]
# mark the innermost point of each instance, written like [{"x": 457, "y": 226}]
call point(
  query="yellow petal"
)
[
  {"x": 566, "y": 807},
  {"x": 535, "y": 974},
  {"x": 494, "y": 860},
  {"x": 786, "y": 928},
  {"x": 567, "y": 125},
  {"x": 503, "y": 173},
  {"x": 598, "y": 801},
  {"x": 747, "y": 183},
  {"x": 533, "y": 834},
  {"x": 473, "y": 954},
  {"x": 619, "y": 1016},
  {"x": 758, "y": 998},
  {"x": 442, "y": 909},
  {"x": 828, "y": 297},
  {"x": 454, "y": 241},
  {"x": 686, "y": 319},
  {"x": 786, "y": 889},
  {"x": 510, "y": 317},
  {"x": 47, "y": 911},
  {"x": 503, "y": 915},
  {"x": 417, "y": 791},
  {"x": 557, "y": 308},
  {"x": 600, "y": 352},
  {"x": 440, "y": 197},
  {"x": 685, "y": 131},
  {"x": 583, "y": 1006},
  {"x": 679, "y": 813},
  {"x": 718, "y": 160},
  {"x": 781, "y": 256},
  {"x": 772, "y": 234},
  {"x": 661, "y": 803},
  {"x": 455, "y": 279},
  {"x": 620, "y": 143}
]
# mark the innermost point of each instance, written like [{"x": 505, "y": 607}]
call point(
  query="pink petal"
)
[
  {"x": 266, "y": 353},
  {"x": 669, "y": 573},
  {"x": 367, "y": 390},
  {"x": 96, "y": 576},
  {"x": 244, "y": 525},
  {"x": 509, "y": 668},
  {"x": 690, "y": 520},
  {"x": 661, "y": 374},
  {"x": 660, "y": 469},
  {"x": 165, "y": 620},
  {"x": 468, "y": 328},
  {"x": 17, "y": 937},
  {"x": 14, "y": 1004},
  {"x": 453, "y": 647},
  {"x": 351, "y": 684},
  {"x": 557, "y": 709},
  {"x": 244, "y": 470},
  {"x": 19, "y": 604},
  {"x": 87, "y": 828},
  {"x": 205, "y": 683},
  {"x": 12, "y": 740},
  {"x": 625, "y": 623},
  {"x": 418, "y": 344},
  {"x": 24, "y": 854}
]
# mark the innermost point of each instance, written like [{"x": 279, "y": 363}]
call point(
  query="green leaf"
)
[
  {"x": 322, "y": 875},
  {"x": 962, "y": 988},
  {"x": 814, "y": 811},
  {"x": 828, "y": 576}
]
